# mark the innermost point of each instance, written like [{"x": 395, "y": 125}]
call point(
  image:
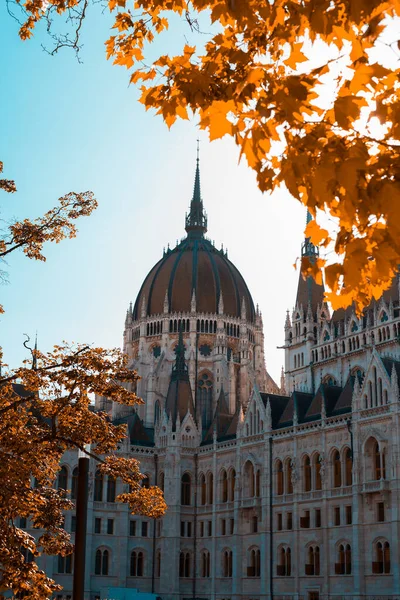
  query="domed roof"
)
[{"x": 194, "y": 265}]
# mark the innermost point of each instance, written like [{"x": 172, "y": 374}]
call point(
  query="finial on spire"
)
[
  {"x": 196, "y": 220},
  {"x": 307, "y": 248}
]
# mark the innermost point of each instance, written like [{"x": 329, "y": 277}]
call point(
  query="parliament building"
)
[{"x": 275, "y": 491}]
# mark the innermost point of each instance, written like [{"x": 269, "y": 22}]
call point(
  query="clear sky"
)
[{"x": 73, "y": 127}]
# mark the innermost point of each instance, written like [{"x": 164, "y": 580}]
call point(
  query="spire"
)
[
  {"x": 180, "y": 366},
  {"x": 307, "y": 248},
  {"x": 196, "y": 220}
]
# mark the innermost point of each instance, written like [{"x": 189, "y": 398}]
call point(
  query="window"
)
[
  {"x": 224, "y": 486},
  {"x": 205, "y": 564},
  {"x": 343, "y": 565},
  {"x": 232, "y": 526},
  {"x": 317, "y": 517},
  {"x": 317, "y": 472},
  {"x": 182, "y": 528},
  {"x": 279, "y": 478},
  {"x": 185, "y": 489},
  {"x": 146, "y": 482},
  {"x": 74, "y": 485},
  {"x": 349, "y": 514},
  {"x": 348, "y": 467},
  {"x": 253, "y": 568},
  {"x": 382, "y": 558},
  {"x": 249, "y": 487},
  {"x": 203, "y": 489},
  {"x": 223, "y": 527},
  {"x": 111, "y": 485},
  {"x": 102, "y": 562},
  {"x": 63, "y": 479},
  {"x": 97, "y": 525},
  {"x": 258, "y": 483},
  {"x": 73, "y": 524},
  {"x": 307, "y": 474},
  {"x": 145, "y": 527},
  {"x": 65, "y": 564},
  {"x": 380, "y": 467},
  {"x": 184, "y": 564},
  {"x": 380, "y": 512},
  {"x": 137, "y": 564},
  {"x": 289, "y": 520},
  {"x": 227, "y": 563},
  {"x": 132, "y": 528},
  {"x": 98, "y": 486},
  {"x": 279, "y": 521},
  {"x": 289, "y": 475},
  {"x": 110, "y": 526},
  {"x": 189, "y": 529},
  {"x": 254, "y": 524},
  {"x": 201, "y": 528},
  {"x": 231, "y": 486},
  {"x": 305, "y": 520},
  {"x": 209, "y": 528},
  {"x": 313, "y": 561},
  {"x": 336, "y": 515},
  {"x": 337, "y": 469},
  {"x": 284, "y": 566}
]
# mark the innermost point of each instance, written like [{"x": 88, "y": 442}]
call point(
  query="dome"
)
[{"x": 194, "y": 265}]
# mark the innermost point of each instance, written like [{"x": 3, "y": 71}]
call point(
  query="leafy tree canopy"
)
[
  {"x": 298, "y": 84},
  {"x": 45, "y": 410}
]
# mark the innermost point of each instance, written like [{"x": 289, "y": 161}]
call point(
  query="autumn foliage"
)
[
  {"x": 46, "y": 410},
  {"x": 296, "y": 84}
]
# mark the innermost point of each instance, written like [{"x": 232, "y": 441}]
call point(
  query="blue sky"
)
[{"x": 73, "y": 127}]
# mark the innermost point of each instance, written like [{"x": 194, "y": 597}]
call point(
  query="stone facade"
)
[{"x": 272, "y": 492}]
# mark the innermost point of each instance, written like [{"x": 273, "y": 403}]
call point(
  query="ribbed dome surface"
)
[{"x": 195, "y": 264}]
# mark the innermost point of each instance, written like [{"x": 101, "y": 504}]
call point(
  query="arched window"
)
[
  {"x": 146, "y": 482},
  {"x": 249, "y": 487},
  {"x": 224, "y": 486},
  {"x": 186, "y": 489},
  {"x": 65, "y": 564},
  {"x": 231, "y": 487},
  {"x": 381, "y": 564},
  {"x": 74, "y": 485},
  {"x": 377, "y": 461},
  {"x": 317, "y": 472},
  {"x": 102, "y": 561},
  {"x": 284, "y": 566},
  {"x": 343, "y": 564},
  {"x": 205, "y": 564},
  {"x": 203, "y": 490},
  {"x": 289, "y": 475},
  {"x": 307, "y": 473},
  {"x": 337, "y": 469},
  {"x": 279, "y": 478},
  {"x": 313, "y": 561},
  {"x": 204, "y": 397},
  {"x": 210, "y": 488},
  {"x": 227, "y": 563},
  {"x": 137, "y": 564},
  {"x": 258, "y": 484},
  {"x": 254, "y": 563},
  {"x": 63, "y": 478},
  {"x": 184, "y": 564},
  {"x": 348, "y": 471},
  {"x": 111, "y": 488}
]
